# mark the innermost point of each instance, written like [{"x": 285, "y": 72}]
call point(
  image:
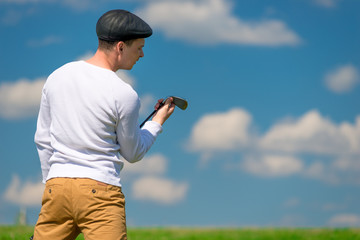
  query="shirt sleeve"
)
[
  {"x": 42, "y": 136},
  {"x": 135, "y": 142}
]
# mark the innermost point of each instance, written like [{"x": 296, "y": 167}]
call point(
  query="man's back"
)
[
  {"x": 91, "y": 110},
  {"x": 84, "y": 101}
]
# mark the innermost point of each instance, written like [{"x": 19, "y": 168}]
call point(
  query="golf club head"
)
[{"x": 180, "y": 102}]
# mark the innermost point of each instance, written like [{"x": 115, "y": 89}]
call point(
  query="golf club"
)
[{"x": 179, "y": 102}]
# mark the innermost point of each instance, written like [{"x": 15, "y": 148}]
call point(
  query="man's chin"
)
[{"x": 127, "y": 68}]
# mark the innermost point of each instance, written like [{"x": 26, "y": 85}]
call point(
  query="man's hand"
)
[{"x": 164, "y": 111}]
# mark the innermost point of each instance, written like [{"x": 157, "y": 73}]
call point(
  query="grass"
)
[{"x": 24, "y": 232}]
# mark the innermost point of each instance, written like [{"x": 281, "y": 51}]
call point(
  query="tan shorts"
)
[{"x": 74, "y": 205}]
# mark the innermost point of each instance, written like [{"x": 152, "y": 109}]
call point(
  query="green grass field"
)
[{"x": 24, "y": 232}]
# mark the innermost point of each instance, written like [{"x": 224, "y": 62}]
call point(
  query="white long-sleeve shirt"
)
[{"x": 89, "y": 117}]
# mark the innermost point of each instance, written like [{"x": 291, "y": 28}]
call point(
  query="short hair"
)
[{"x": 109, "y": 45}]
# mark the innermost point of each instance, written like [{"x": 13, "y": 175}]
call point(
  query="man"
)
[{"x": 89, "y": 117}]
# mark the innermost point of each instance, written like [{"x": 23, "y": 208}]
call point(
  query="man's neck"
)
[{"x": 101, "y": 59}]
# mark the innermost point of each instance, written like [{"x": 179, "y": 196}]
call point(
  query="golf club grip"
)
[{"x": 142, "y": 124}]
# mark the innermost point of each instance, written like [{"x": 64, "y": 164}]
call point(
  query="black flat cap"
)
[{"x": 121, "y": 25}]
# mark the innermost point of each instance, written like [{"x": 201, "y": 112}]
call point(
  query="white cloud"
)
[
  {"x": 74, "y": 4},
  {"x": 155, "y": 164},
  {"x": 310, "y": 133},
  {"x": 292, "y": 202},
  {"x": 346, "y": 168},
  {"x": 221, "y": 131},
  {"x": 331, "y": 151},
  {"x": 149, "y": 183},
  {"x": 341, "y": 170},
  {"x": 87, "y": 55},
  {"x": 345, "y": 220},
  {"x": 323, "y": 172},
  {"x": 211, "y": 22},
  {"x": 159, "y": 190},
  {"x": 12, "y": 17},
  {"x": 46, "y": 41},
  {"x": 202, "y": 21},
  {"x": 347, "y": 164},
  {"x": 21, "y": 98},
  {"x": 24, "y": 194},
  {"x": 272, "y": 165},
  {"x": 25, "y": 1},
  {"x": 326, "y": 3},
  {"x": 313, "y": 133},
  {"x": 316, "y": 170},
  {"x": 291, "y": 220},
  {"x": 148, "y": 102},
  {"x": 334, "y": 206},
  {"x": 352, "y": 134},
  {"x": 342, "y": 79},
  {"x": 81, "y": 4}
]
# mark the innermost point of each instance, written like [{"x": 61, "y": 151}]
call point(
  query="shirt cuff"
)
[{"x": 153, "y": 127}]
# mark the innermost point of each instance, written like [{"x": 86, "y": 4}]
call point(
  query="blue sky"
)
[{"x": 271, "y": 136}]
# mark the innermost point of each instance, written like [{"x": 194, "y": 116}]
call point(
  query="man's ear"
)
[{"x": 120, "y": 46}]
